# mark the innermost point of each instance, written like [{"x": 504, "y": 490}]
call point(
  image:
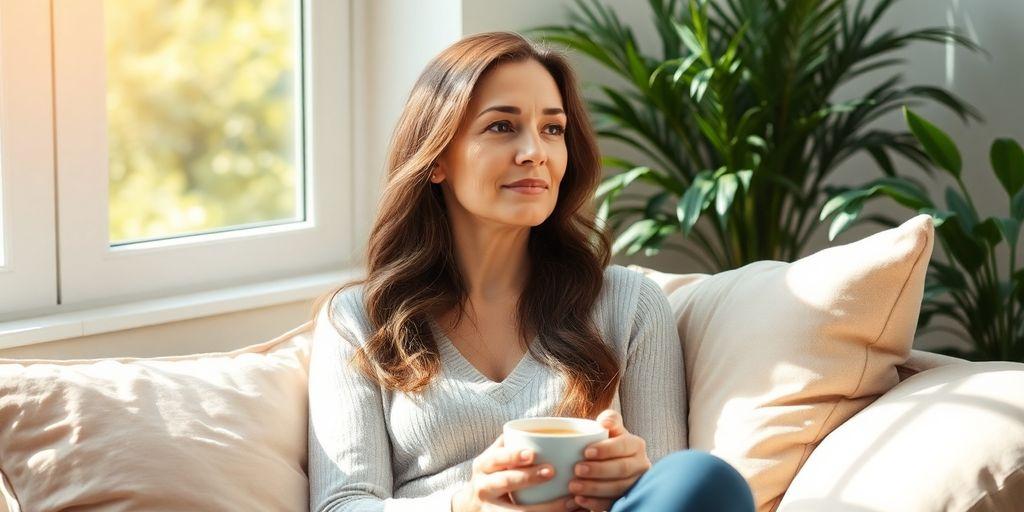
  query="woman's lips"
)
[{"x": 527, "y": 190}]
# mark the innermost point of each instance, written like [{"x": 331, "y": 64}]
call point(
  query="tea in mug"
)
[{"x": 553, "y": 431}]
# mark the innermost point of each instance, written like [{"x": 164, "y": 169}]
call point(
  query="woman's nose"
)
[{"x": 531, "y": 150}]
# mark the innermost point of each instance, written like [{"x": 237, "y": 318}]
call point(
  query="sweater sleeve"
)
[
  {"x": 652, "y": 391},
  {"x": 348, "y": 445}
]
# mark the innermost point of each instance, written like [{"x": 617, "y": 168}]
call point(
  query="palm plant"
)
[
  {"x": 968, "y": 288},
  {"x": 737, "y": 120}
]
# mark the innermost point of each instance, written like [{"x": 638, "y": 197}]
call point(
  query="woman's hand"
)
[
  {"x": 612, "y": 465},
  {"x": 500, "y": 470}
]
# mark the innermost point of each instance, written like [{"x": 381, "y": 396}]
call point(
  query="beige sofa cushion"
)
[
  {"x": 219, "y": 431},
  {"x": 780, "y": 354},
  {"x": 946, "y": 439}
]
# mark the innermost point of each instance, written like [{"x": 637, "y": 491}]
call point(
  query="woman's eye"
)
[
  {"x": 500, "y": 123},
  {"x": 559, "y": 129},
  {"x": 506, "y": 127}
]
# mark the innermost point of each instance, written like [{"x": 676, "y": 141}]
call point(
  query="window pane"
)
[{"x": 203, "y": 115}]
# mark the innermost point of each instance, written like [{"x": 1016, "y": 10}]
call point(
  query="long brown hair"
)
[{"x": 411, "y": 270}]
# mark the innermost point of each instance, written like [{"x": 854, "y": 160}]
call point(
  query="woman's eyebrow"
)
[{"x": 509, "y": 109}]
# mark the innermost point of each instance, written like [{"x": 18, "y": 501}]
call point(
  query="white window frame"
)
[
  {"x": 92, "y": 274},
  {"x": 28, "y": 271}
]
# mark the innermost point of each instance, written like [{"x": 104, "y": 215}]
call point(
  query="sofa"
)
[{"x": 801, "y": 375}]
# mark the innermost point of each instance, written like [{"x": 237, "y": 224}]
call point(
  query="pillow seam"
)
[
  {"x": 888, "y": 318},
  {"x": 867, "y": 354}
]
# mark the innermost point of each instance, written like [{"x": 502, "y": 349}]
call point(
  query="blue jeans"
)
[{"x": 685, "y": 481}]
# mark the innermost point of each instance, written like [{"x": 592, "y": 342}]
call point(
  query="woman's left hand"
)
[{"x": 611, "y": 467}]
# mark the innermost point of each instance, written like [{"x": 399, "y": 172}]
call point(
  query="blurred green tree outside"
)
[{"x": 201, "y": 115}]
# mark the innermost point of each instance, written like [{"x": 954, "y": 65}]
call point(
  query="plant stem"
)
[
  {"x": 699, "y": 257},
  {"x": 972, "y": 329},
  {"x": 998, "y": 325},
  {"x": 1002, "y": 320},
  {"x": 950, "y": 330},
  {"x": 681, "y": 132},
  {"x": 991, "y": 273},
  {"x": 748, "y": 224},
  {"x": 726, "y": 237},
  {"x": 723, "y": 238},
  {"x": 702, "y": 238},
  {"x": 1014, "y": 342}
]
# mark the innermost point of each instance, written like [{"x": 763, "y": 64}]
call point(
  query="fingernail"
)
[
  {"x": 591, "y": 452},
  {"x": 571, "y": 504},
  {"x": 524, "y": 455},
  {"x": 582, "y": 470},
  {"x": 575, "y": 487},
  {"x": 545, "y": 472}
]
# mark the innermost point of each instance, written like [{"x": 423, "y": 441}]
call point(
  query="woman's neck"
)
[{"x": 492, "y": 259}]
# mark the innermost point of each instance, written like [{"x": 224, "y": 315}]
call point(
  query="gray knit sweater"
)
[{"x": 372, "y": 449}]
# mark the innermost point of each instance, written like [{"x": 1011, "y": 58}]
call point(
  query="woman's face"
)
[{"x": 513, "y": 131}]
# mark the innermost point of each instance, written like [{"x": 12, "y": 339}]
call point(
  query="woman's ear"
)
[{"x": 436, "y": 173}]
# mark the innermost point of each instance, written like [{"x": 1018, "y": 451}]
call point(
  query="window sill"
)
[{"x": 88, "y": 322}]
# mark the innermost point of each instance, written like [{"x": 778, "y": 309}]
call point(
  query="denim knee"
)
[{"x": 689, "y": 480}]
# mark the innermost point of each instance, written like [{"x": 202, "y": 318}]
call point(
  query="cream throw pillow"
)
[
  {"x": 947, "y": 439},
  {"x": 780, "y": 354},
  {"x": 219, "y": 431}
]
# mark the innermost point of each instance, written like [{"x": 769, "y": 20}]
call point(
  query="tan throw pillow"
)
[
  {"x": 780, "y": 354},
  {"x": 219, "y": 431},
  {"x": 950, "y": 438}
]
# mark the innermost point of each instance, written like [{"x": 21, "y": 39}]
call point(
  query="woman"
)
[{"x": 489, "y": 297}]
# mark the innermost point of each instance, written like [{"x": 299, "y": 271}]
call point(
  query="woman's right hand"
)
[{"x": 500, "y": 470}]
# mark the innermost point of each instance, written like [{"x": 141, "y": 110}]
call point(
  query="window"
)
[
  {"x": 184, "y": 149},
  {"x": 203, "y": 116}
]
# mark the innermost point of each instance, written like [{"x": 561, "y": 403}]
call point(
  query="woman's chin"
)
[{"x": 527, "y": 217}]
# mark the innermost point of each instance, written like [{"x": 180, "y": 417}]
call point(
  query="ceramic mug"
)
[{"x": 556, "y": 441}]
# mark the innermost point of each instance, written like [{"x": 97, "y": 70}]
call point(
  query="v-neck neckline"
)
[{"x": 501, "y": 391}]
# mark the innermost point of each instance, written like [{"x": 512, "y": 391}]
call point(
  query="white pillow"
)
[
  {"x": 219, "y": 431},
  {"x": 780, "y": 354},
  {"x": 949, "y": 438}
]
